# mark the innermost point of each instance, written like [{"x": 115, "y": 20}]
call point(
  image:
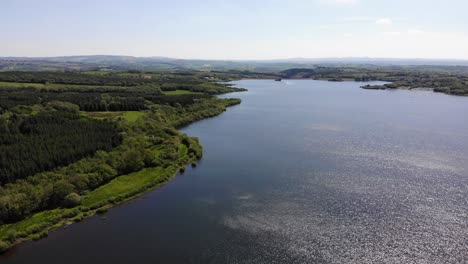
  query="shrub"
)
[
  {"x": 40, "y": 235},
  {"x": 44, "y": 234},
  {"x": 72, "y": 199},
  {"x": 78, "y": 218},
  {"x": 11, "y": 235},
  {"x": 4, "y": 246},
  {"x": 64, "y": 106},
  {"x": 101, "y": 210},
  {"x": 132, "y": 160},
  {"x": 21, "y": 234},
  {"x": 33, "y": 229}
]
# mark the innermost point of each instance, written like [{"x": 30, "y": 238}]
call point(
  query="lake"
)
[{"x": 301, "y": 172}]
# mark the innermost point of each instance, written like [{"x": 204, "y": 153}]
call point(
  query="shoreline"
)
[
  {"x": 65, "y": 222},
  {"x": 38, "y": 225}
]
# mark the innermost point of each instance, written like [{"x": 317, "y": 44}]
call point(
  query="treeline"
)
[
  {"x": 87, "y": 101},
  {"x": 67, "y": 77},
  {"x": 447, "y": 85},
  {"x": 204, "y": 87},
  {"x": 441, "y": 79},
  {"x": 333, "y": 73},
  {"x": 130, "y": 100},
  {"x": 50, "y": 139},
  {"x": 114, "y": 80},
  {"x": 444, "y": 84}
]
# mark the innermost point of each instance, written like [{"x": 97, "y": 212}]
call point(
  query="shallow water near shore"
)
[{"x": 301, "y": 172}]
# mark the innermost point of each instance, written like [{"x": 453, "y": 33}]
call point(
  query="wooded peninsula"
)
[{"x": 75, "y": 144}]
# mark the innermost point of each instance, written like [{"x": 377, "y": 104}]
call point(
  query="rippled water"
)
[{"x": 301, "y": 172}]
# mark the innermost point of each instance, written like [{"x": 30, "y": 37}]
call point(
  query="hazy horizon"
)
[
  {"x": 241, "y": 60},
  {"x": 237, "y": 30}
]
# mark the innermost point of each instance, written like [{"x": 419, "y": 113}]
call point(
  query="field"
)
[
  {"x": 179, "y": 92},
  {"x": 54, "y": 86}
]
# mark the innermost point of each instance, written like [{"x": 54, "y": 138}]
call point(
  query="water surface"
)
[{"x": 301, "y": 172}]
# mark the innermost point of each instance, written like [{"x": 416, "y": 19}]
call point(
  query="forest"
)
[
  {"x": 90, "y": 100},
  {"x": 49, "y": 139},
  {"x": 73, "y": 144},
  {"x": 116, "y": 80}
]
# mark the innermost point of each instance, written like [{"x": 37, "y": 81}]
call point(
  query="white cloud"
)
[
  {"x": 347, "y": 35},
  {"x": 384, "y": 22},
  {"x": 391, "y": 33}
]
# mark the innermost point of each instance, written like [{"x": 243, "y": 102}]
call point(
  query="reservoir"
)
[{"x": 301, "y": 171}]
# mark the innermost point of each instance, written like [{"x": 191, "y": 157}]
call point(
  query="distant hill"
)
[
  {"x": 115, "y": 62},
  {"x": 372, "y": 61}
]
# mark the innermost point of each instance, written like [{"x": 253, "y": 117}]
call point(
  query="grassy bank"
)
[
  {"x": 117, "y": 191},
  {"x": 179, "y": 92}
]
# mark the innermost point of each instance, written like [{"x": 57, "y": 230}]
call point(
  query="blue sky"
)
[{"x": 241, "y": 29}]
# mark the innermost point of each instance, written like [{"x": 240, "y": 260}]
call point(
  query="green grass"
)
[
  {"x": 179, "y": 92},
  {"x": 39, "y": 222},
  {"x": 183, "y": 151},
  {"x": 23, "y": 85},
  {"x": 130, "y": 116},
  {"x": 53, "y": 85},
  {"x": 118, "y": 190},
  {"x": 124, "y": 185}
]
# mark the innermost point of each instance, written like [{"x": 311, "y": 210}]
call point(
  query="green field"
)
[
  {"x": 124, "y": 185},
  {"x": 24, "y": 85},
  {"x": 53, "y": 85},
  {"x": 130, "y": 116},
  {"x": 179, "y": 92}
]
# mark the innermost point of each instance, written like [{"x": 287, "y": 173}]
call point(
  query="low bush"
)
[{"x": 4, "y": 246}]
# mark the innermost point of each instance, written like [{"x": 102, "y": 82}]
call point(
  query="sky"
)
[{"x": 235, "y": 30}]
